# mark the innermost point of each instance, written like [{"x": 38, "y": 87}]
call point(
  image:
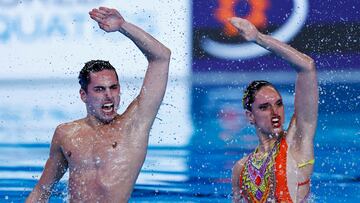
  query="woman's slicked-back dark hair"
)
[
  {"x": 90, "y": 67},
  {"x": 251, "y": 90}
]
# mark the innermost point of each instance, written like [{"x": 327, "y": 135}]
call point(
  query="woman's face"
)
[{"x": 267, "y": 112}]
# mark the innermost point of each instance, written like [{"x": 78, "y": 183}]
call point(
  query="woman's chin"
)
[{"x": 277, "y": 131}]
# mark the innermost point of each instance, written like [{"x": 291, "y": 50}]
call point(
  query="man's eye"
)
[
  {"x": 98, "y": 89},
  {"x": 262, "y": 108}
]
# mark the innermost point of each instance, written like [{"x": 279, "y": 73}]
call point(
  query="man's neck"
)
[{"x": 97, "y": 124}]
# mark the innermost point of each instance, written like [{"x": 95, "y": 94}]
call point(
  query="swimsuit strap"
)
[
  {"x": 304, "y": 183},
  {"x": 302, "y": 165},
  {"x": 282, "y": 193},
  {"x": 309, "y": 162}
]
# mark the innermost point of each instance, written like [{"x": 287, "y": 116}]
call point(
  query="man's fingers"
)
[
  {"x": 97, "y": 14},
  {"x": 97, "y": 19},
  {"x": 104, "y": 26},
  {"x": 104, "y": 10}
]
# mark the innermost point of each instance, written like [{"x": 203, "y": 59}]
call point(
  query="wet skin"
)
[
  {"x": 267, "y": 111},
  {"x": 267, "y": 114},
  {"x": 103, "y": 166},
  {"x": 100, "y": 161},
  {"x": 102, "y": 97},
  {"x": 104, "y": 151}
]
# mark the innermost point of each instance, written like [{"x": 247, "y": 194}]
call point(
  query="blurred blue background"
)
[{"x": 200, "y": 131}]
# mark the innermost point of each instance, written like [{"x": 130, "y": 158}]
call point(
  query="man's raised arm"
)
[{"x": 158, "y": 56}]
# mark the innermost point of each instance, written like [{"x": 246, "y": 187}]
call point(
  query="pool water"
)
[{"x": 181, "y": 165}]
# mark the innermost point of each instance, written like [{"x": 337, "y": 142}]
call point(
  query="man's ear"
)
[
  {"x": 82, "y": 95},
  {"x": 250, "y": 117}
]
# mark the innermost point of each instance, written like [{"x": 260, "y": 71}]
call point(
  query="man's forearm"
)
[
  {"x": 151, "y": 48},
  {"x": 38, "y": 195}
]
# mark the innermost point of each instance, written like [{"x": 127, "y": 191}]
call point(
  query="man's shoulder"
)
[{"x": 72, "y": 126}]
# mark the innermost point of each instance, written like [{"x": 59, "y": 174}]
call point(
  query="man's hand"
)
[
  {"x": 109, "y": 20},
  {"x": 246, "y": 29}
]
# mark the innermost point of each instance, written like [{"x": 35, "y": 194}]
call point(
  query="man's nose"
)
[{"x": 107, "y": 93}]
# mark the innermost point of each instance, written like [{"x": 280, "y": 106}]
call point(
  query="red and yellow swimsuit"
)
[{"x": 268, "y": 182}]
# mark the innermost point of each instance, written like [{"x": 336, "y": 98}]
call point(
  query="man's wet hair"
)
[
  {"x": 92, "y": 67},
  {"x": 251, "y": 90}
]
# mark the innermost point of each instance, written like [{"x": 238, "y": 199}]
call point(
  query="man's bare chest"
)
[{"x": 91, "y": 149}]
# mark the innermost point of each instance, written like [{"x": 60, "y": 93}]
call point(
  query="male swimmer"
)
[
  {"x": 105, "y": 151},
  {"x": 279, "y": 169}
]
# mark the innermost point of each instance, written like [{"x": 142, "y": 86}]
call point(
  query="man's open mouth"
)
[{"x": 108, "y": 107}]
